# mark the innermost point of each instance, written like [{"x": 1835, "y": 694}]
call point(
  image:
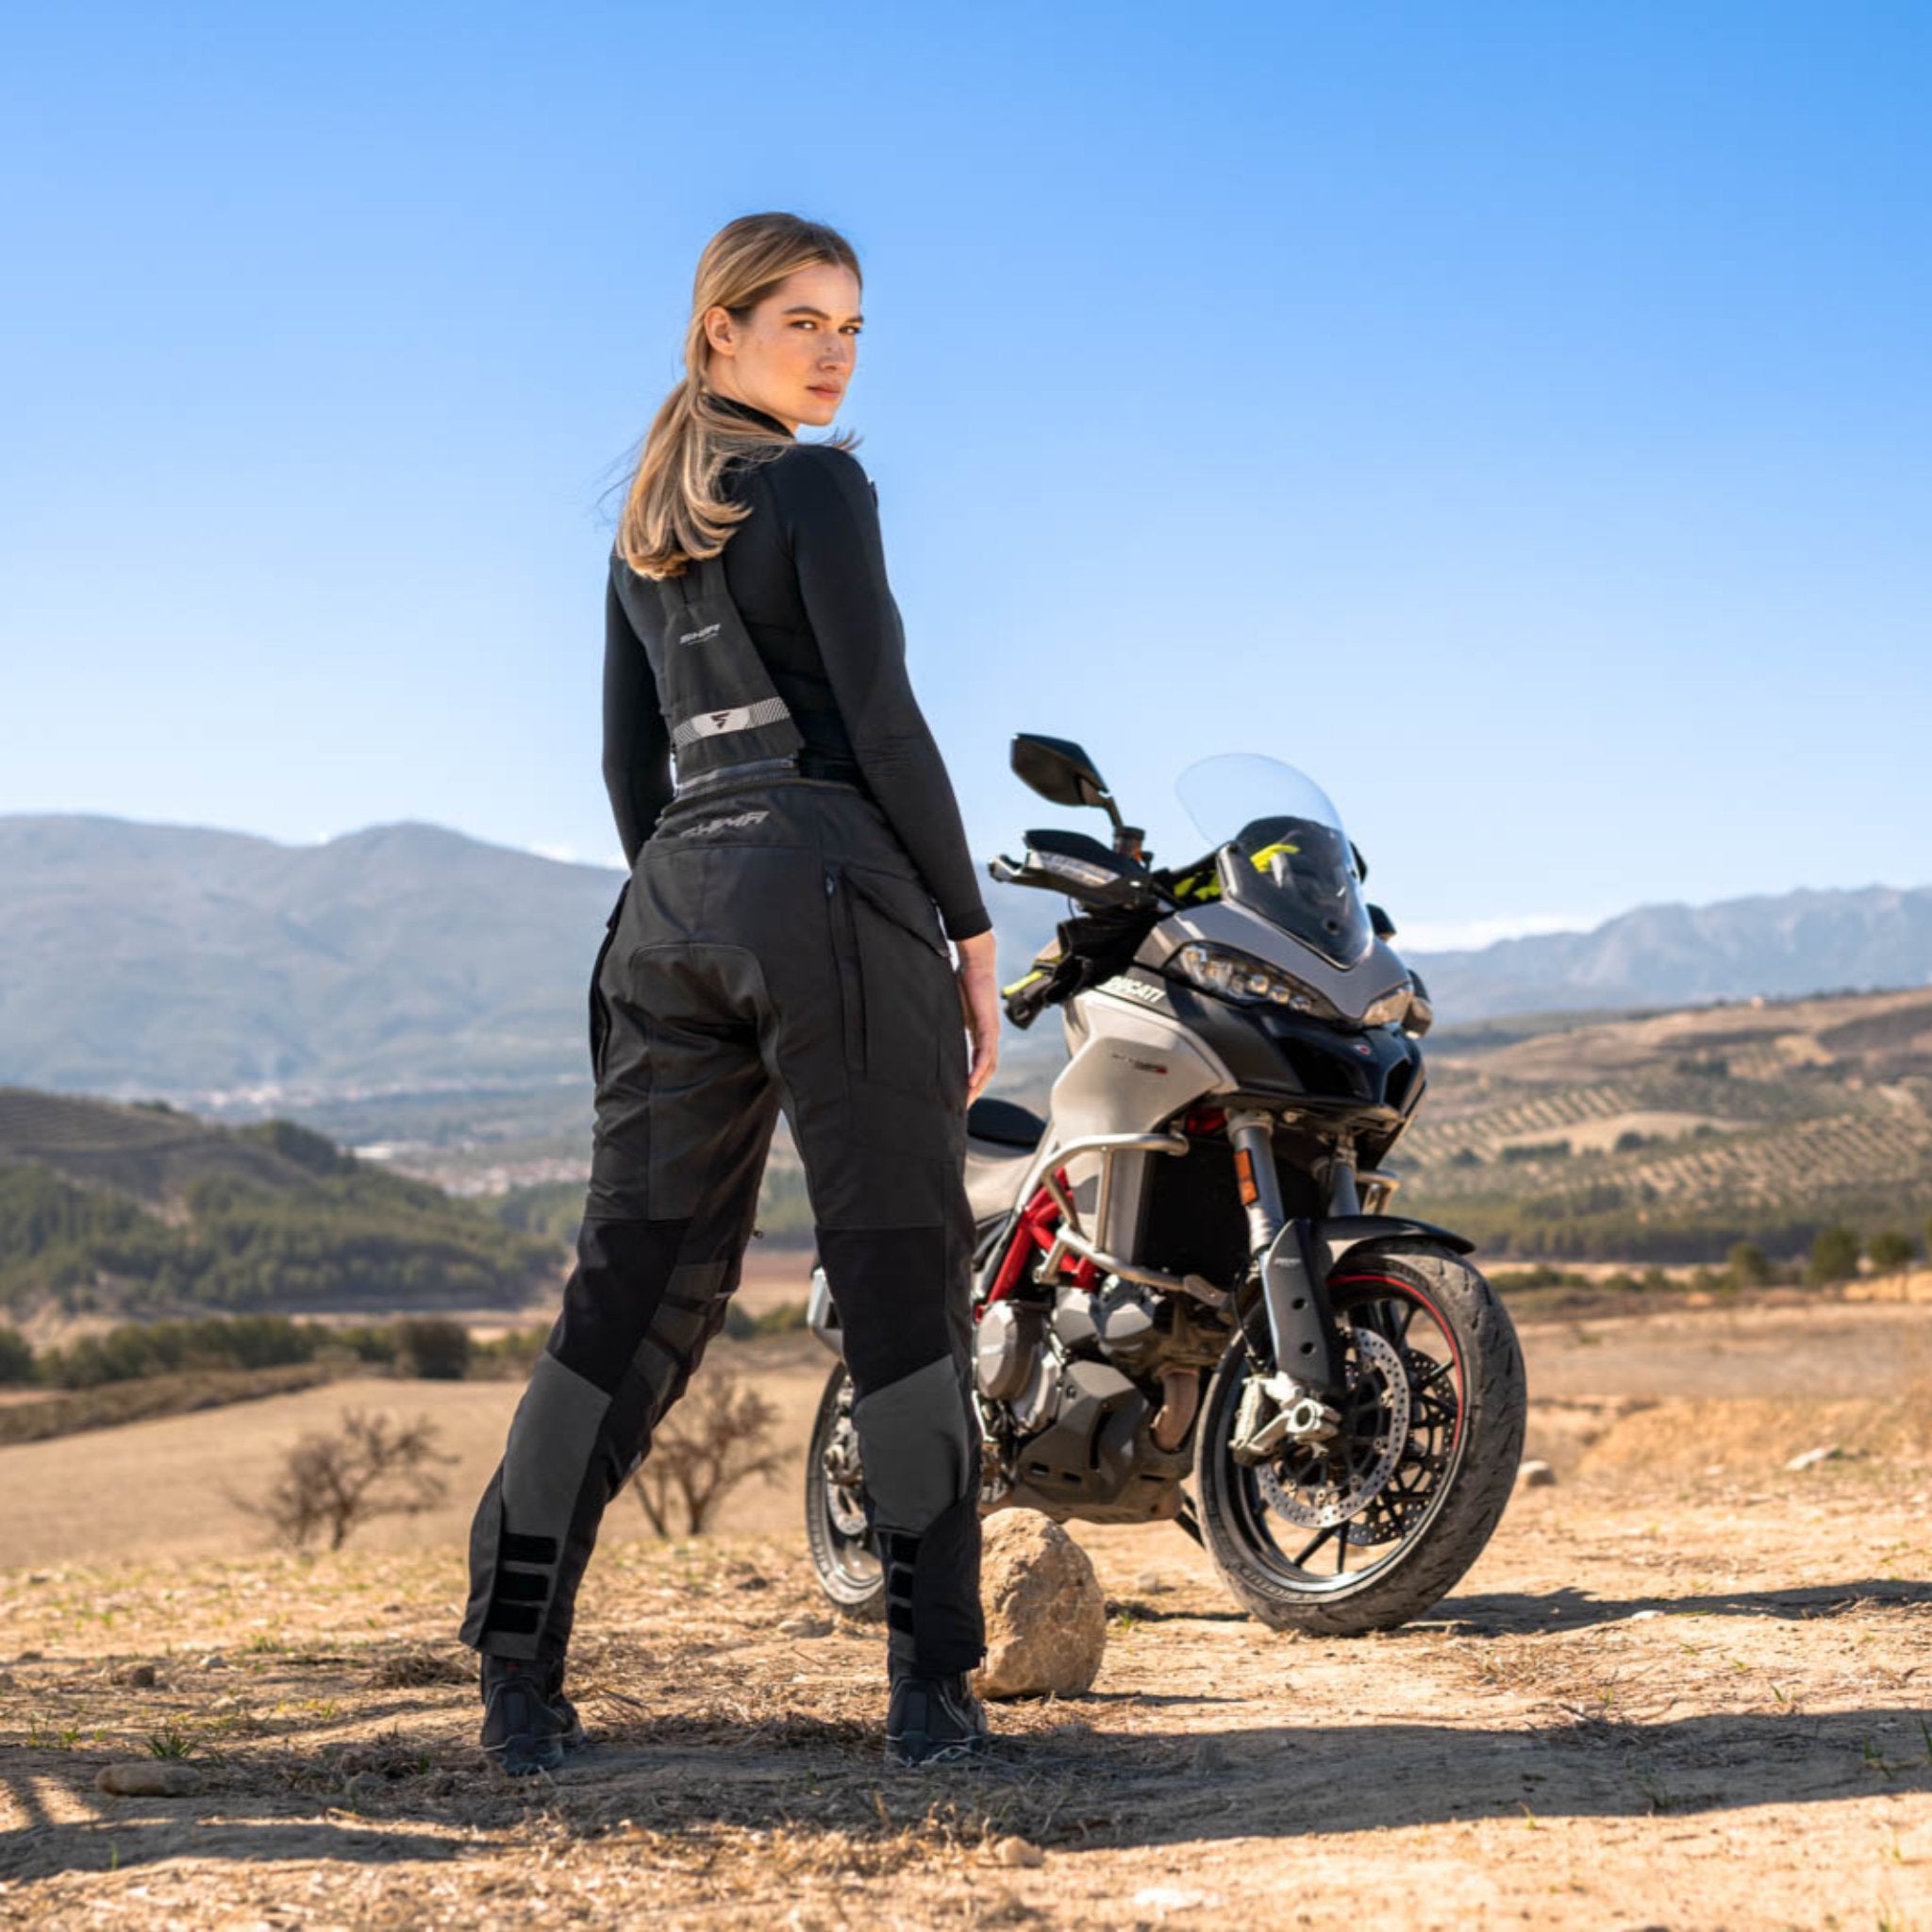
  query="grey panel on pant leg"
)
[
  {"x": 912, "y": 1438},
  {"x": 486, "y": 1531},
  {"x": 551, "y": 1439}
]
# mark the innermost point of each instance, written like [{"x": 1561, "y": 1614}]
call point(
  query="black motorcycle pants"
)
[{"x": 776, "y": 949}]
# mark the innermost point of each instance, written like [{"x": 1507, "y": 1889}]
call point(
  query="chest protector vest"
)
[{"x": 717, "y": 697}]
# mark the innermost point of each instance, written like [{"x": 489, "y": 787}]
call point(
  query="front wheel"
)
[
  {"x": 1375, "y": 1524},
  {"x": 848, "y": 1568}
]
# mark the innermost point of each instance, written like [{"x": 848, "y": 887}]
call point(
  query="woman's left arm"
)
[
  {"x": 637, "y": 747},
  {"x": 833, "y": 524}
]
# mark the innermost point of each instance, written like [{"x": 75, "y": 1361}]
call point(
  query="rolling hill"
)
[
  {"x": 160, "y": 959},
  {"x": 144, "y": 1210},
  {"x": 1670, "y": 1136}
]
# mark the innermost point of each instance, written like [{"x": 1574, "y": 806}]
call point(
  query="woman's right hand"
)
[{"x": 979, "y": 998}]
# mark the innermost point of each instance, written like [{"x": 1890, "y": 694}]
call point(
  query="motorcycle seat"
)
[
  {"x": 1001, "y": 1135},
  {"x": 1005, "y": 1122}
]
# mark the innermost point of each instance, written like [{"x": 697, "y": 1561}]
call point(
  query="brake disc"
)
[
  {"x": 1321, "y": 1502},
  {"x": 844, "y": 1479}
]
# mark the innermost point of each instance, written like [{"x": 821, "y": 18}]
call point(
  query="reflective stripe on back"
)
[{"x": 734, "y": 718}]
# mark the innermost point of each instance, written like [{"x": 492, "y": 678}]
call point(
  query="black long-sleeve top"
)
[{"x": 806, "y": 570}]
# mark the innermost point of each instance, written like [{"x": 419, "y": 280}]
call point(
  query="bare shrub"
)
[
  {"x": 719, "y": 1436},
  {"x": 373, "y": 1465}
]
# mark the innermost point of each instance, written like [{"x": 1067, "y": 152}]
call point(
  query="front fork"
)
[{"x": 1285, "y": 1320}]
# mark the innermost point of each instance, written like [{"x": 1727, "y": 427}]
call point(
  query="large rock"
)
[
  {"x": 1045, "y": 1615},
  {"x": 149, "y": 1777}
]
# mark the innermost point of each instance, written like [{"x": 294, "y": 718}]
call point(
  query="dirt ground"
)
[{"x": 1686, "y": 1687}]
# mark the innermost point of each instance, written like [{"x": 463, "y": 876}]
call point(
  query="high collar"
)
[{"x": 747, "y": 411}]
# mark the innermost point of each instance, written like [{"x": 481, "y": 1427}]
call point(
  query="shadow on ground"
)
[
  {"x": 1504, "y": 1613},
  {"x": 1077, "y": 1789}
]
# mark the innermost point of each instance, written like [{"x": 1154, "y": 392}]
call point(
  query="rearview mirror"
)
[{"x": 1058, "y": 770}]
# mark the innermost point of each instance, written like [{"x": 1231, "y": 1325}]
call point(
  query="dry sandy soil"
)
[{"x": 1685, "y": 1687}]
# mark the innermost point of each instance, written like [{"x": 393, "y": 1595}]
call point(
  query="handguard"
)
[
  {"x": 1088, "y": 949},
  {"x": 1051, "y": 978}
]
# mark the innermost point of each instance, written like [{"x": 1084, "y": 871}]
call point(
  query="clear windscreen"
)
[{"x": 1280, "y": 850}]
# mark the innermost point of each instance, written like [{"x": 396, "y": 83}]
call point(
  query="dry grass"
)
[
  {"x": 1760, "y": 1435},
  {"x": 1498, "y": 1757},
  {"x": 160, "y": 1487},
  {"x": 1693, "y": 1701}
]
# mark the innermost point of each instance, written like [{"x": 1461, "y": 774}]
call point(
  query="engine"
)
[{"x": 1093, "y": 1395}]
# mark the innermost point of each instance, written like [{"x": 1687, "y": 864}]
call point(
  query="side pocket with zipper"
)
[
  {"x": 851, "y": 980},
  {"x": 901, "y": 994},
  {"x": 600, "y": 1010},
  {"x": 923, "y": 926}
]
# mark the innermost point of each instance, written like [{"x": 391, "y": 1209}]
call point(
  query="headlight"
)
[
  {"x": 1254, "y": 982},
  {"x": 1240, "y": 976},
  {"x": 1392, "y": 1005}
]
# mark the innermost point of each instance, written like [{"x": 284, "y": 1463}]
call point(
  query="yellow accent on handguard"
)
[{"x": 1007, "y": 992}]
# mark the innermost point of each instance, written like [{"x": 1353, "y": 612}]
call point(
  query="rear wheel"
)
[
  {"x": 848, "y": 1568},
  {"x": 1374, "y": 1525}
]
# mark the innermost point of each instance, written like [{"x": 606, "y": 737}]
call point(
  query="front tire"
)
[
  {"x": 835, "y": 1532},
  {"x": 1412, "y": 1487}
]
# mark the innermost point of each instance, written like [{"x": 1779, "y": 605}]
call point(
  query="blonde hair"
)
[{"x": 674, "y": 514}]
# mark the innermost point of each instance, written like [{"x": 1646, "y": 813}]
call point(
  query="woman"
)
[{"x": 779, "y": 945}]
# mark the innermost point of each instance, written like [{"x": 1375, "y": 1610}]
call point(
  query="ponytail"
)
[{"x": 676, "y": 513}]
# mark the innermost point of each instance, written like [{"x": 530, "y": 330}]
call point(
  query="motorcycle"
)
[{"x": 1191, "y": 1301}]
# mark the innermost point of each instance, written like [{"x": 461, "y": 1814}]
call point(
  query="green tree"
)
[
  {"x": 306, "y": 1149},
  {"x": 1892, "y": 1249},
  {"x": 1834, "y": 1256},
  {"x": 16, "y": 1357},
  {"x": 435, "y": 1349},
  {"x": 1748, "y": 1265}
]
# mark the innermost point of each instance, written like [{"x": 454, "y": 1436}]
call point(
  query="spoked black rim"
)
[
  {"x": 840, "y": 1489},
  {"x": 1326, "y": 1518}
]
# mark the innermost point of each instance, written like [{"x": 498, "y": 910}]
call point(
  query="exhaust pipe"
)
[{"x": 1180, "y": 1396}]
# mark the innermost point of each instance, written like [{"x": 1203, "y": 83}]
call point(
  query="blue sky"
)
[{"x": 1518, "y": 416}]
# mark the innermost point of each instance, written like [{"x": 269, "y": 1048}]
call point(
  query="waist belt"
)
[{"x": 819, "y": 767}]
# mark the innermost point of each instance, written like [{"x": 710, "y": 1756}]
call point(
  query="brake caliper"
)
[{"x": 1276, "y": 1410}]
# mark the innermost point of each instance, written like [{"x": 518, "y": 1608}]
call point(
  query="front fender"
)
[
  {"x": 1301, "y": 1332},
  {"x": 1341, "y": 1233}
]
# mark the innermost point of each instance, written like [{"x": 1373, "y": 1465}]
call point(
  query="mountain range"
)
[
  {"x": 1781, "y": 947},
  {"x": 139, "y": 958}
]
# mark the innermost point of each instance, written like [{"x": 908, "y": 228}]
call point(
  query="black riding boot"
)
[
  {"x": 932, "y": 1720},
  {"x": 528, "y": 1724}
]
